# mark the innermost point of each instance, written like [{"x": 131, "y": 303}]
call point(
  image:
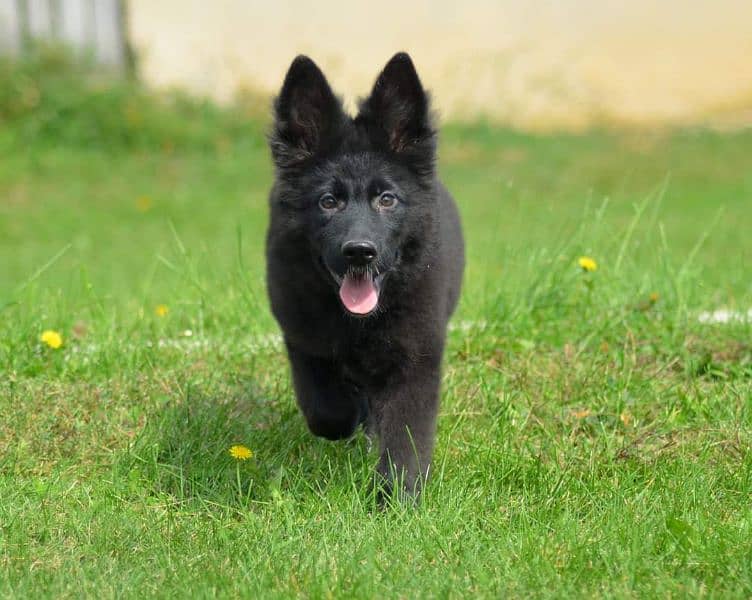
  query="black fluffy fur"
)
[{"x": 383, "y": 369}]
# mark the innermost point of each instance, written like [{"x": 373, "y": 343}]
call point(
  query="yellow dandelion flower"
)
[
  {"x": 52, "y": 338},
  {"x": 161, "y": 310},
  {"x": 588, "y": 264},
  {"x": 143, "y": 204},
  {"x": 654, "y": 297},
  {"x": 240, "y": 452}
]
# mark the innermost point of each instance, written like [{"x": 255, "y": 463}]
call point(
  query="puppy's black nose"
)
[{"x": 359, "y": 252}]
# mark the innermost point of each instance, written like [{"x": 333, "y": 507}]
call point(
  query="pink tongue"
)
[{"x": 358, "y": 294}]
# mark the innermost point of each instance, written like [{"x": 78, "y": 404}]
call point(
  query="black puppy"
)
[{"x": 364, "y": 261}]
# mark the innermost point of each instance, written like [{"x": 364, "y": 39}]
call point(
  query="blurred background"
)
[
  {"x": 536, "y": 64},
  {"x": 125, "y": 120}
]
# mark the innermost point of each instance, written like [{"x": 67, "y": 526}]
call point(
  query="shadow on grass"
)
[{"x": 183, "y": 451}]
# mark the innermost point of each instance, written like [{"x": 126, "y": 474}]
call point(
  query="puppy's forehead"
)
[{"x": 358, "y": 165}]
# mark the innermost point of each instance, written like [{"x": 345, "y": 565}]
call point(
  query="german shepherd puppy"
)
[{"x": 364, "y": 261}]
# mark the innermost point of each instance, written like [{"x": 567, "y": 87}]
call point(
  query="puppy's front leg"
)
[
  {"x": 406, "y": 414},
  {"x": 332, "y": 407}
]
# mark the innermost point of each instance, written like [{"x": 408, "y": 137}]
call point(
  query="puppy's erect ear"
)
[
  {"x": 397, "y": 114},
  {"x": 308, "y": 116}
]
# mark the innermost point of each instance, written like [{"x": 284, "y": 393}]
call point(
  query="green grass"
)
[{"x": 591, "y": 441}]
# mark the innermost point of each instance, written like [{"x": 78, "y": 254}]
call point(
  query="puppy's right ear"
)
[
  {"x": 308, "y": 116},
  {"x": 398, "y": 117}
]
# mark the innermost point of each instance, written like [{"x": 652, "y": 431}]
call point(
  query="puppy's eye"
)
[
  {"x": 328, "y": 202},
  {"x": 387, "y": 200}
]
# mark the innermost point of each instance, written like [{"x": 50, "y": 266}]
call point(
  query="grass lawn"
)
[{"x": 595, "y": 437}]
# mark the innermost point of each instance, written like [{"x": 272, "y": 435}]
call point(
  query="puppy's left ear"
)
[
  {"x": 309, "y": 116},
  {"x": 398, "y": 117}
]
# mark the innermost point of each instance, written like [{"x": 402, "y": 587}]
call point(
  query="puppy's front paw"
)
[{"x": 395, "y": 484}]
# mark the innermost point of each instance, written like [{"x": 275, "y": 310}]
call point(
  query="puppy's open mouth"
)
[{"x": 359, "y": 290}]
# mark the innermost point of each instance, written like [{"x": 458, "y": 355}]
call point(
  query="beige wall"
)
[{"x": 536, "y": 63}]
